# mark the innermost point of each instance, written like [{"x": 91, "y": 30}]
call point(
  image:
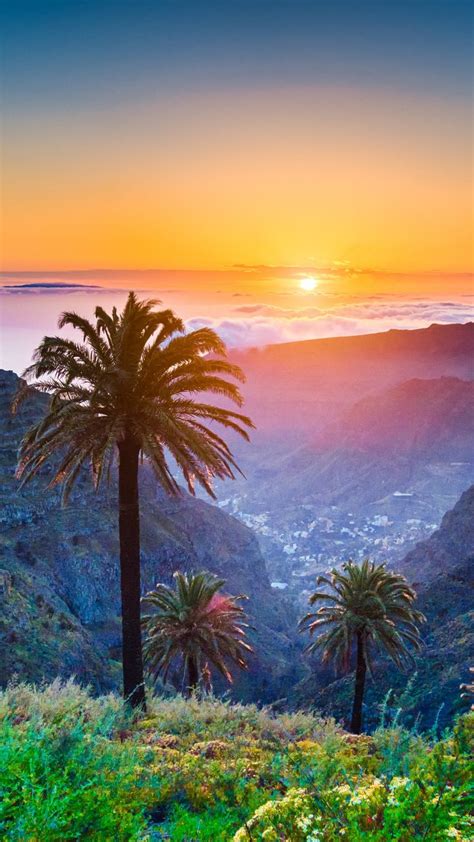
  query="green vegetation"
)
[
  {"x": 76, "y": 768},
  {"x": 196, "y": 624},
  {"x": 364, "y": 606},
  {"x": 127, "y": 390}
]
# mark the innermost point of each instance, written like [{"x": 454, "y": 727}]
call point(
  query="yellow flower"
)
[
  {"x": 306, "y": 745},
  {"x": 344, "y": 789},
  {"x": 270, "y": 835}
]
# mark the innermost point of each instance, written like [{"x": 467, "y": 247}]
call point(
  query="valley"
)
[{"x": 369, "y": 475}]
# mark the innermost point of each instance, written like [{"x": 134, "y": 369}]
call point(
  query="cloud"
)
[
  {"x": 266, "y": 331},
  {"x": 69, "y": 287},
  {"x": 341, "y": 268},
  {"x": 263, "y": 324},
  {"x": 412, "y": 310},
  {"x": 56, "y": 286},
  {"x": 279, "y": 312}
]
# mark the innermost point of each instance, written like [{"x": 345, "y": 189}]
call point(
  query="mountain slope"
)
[
  {"x": 449, "y": 548},
  {"x": 431, "y": 418},
  {"x": 298, "y": 387},
  {"x": 59, "y": 584},
  {"x": 415, "y": 440}
]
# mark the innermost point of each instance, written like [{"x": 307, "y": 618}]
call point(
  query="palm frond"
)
[
  {"x": 134, "y": 371},
  {"x": 367, "y": 600},
  {"x": 194, "y": 621}
]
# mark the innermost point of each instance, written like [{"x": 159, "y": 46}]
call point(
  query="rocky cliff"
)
[
  {"x": 59, "y": 587},
  {"x": 449, "y": 548}
]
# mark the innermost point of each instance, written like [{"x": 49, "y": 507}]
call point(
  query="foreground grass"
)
[{"x": 77, "y": 768}]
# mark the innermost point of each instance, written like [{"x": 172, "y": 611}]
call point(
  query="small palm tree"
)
[
  {"x": 363, "y": 606},
  {"x": 196, "y": 624},
  {"x": 129, "y": 389}
]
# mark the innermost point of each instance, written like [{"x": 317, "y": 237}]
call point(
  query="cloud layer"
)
[{"x": 263, "y": 324}]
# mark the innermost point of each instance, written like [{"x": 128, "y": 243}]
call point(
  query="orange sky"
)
[{"x": 293, "y": 176}]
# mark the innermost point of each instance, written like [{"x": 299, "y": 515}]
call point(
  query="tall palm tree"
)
[
  {"x": 363, "y": 606},
  {"x": 195, "y": 623},
  {"x": 132, "y": 387}
]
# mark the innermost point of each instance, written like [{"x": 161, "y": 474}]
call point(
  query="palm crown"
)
[
  {"x": 195, "y": 623},
  {"x": 368, "y": 601},
  {"x": 136, "y": 375}
]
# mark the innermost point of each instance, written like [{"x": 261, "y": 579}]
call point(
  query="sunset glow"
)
[
  {"x": 231, "y": 163},
  {"x": 183, "y": 159}
]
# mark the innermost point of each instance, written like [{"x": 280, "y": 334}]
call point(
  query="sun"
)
[{"x": 308, "y": 284}]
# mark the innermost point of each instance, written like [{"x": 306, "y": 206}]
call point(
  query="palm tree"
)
[
  {"x": 131, "y": 388},
  {"x": 364, "y": 605},
  {"x": 195, "y": 623}
]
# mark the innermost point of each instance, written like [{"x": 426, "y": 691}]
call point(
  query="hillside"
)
[
  {"x": 78, "y": 768},
  {"x": 449, "y": 548},
  {"x": 295, "y": 388},
  {"x": 362, "y": 444},
  {"x": 442, "y": 571},
  {"x": 373, "y": 482},
  {"x": 417, "y": 437},
  {"x": 423, "y": 418},
  {"x": 59, "y": 571}
]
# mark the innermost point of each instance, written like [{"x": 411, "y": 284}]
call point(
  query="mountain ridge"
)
[{"x": 298, "y": 387}]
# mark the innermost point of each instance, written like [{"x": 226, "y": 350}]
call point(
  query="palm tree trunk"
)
[
  {"x": 129, "y": 530},
  {"x": 361, "y": 669},
  {"x": 193, "y": 676}
]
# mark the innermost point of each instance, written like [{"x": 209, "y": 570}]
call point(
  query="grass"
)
[{"x": 74, "y": 767}]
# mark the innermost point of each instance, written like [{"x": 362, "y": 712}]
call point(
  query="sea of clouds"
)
[
  {"x": 30, "y": 310},
  {"x": 263, "y": 324}
]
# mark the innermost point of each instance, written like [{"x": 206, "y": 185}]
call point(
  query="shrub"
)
[
  {"x": 431, "y": 803},
  {"x": 76, "y": 768}
]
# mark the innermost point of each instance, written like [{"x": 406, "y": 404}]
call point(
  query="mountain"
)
[
  {"x": 448, "y": 549},
  {"x": 372, "y": 483},
  {"x": 362, "y": 444},
  {"x": 59, "y": 588},
  {"x": 295, "y": 388},
  {"x": 442, "y": 571},
  {"x": 431, "y": 418},
  {"x": 415, "y": 438}
]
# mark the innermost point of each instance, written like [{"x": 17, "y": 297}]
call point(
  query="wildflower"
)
[
  {"x": 399, "y": 783},
  {"x": 344, "y": 789}
]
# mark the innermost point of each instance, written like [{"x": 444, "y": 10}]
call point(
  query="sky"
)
[{"x": 218, "y": 154}]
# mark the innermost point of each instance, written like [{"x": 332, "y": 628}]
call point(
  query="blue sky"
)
[{"x": 59, "y": 52}]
